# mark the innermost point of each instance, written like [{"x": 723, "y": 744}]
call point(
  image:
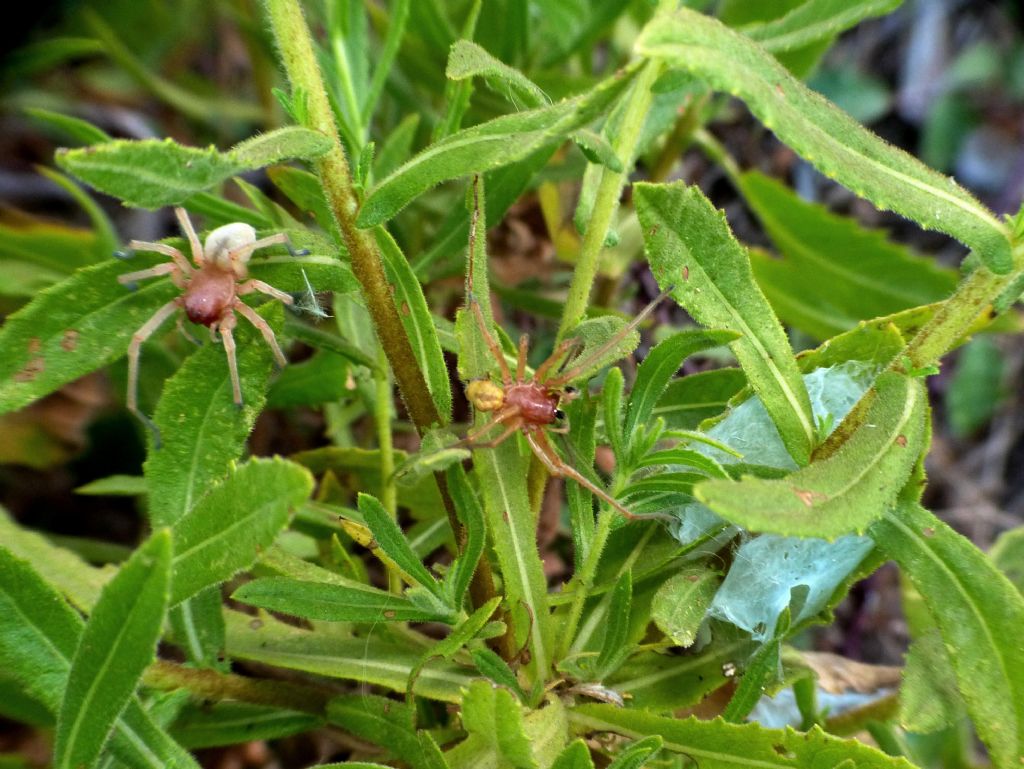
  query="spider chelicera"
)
[
  {"x": 210, "y": 293},
  {"x": 533, "y": 405}
]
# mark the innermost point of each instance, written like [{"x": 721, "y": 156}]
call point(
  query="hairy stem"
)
[
  {"x": 299, "y": 59},
  {"x": 956, "y": 315},
  {"x": 212, "y": 685},
  {"x": 300, "y": 64}
]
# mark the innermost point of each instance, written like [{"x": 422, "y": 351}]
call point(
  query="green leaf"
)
[
  {"x": 116, "y": 645},
  {"x": 38, "y": 636},
  {"x": 152, "y": 173},
  {"x": 493, "y": 716},
  {"x": 597, "y": 149},
  {"x": 201, "y": 428},
  {"x": 1008, "y": 555},
  {"x": 658, "y": 368},
  {"x": 576, "y": 756},
  {"x": 979, "y": 614},
  {"x": 280, "y": 144},
  {"x": 62, "y": 568},
  {"x": 381, "y": 721},
  {"x": 690, "y": 247},
  {"x": 611, "y": 406},
  {"x": 467, "y": 60},
  {"x": 385, "y": 663},
  {"x": 499, "y": 142},
  {"x": 115, "y": 486},
  {"x": 682, "y": 601},
  {"x": 497, "y": 670},
  {"x": 471, "y": 514},
  {"x": 73, "y": 328},
  {"x": 720, "y": 745},
  {"x": 762, "y": 670},
  {"x": 502, "y": 472},
  {"x": 826, "y": 137},
  {"x": 689, "y": 401},
  {"x": 834, "y": 272},
  {"x": 614, "y": 647},
  {"x": 636, "y": 755},
  {"x": 976, "y": 389},
  {"x": 334, "y": 602},
  {"x": 816, "y": 20},
  {"x": 210, "y": 725},
  {"x": 226, "y": 529},
  {"x": 846, "y": 491},
  {"x": 419, "y": 325},
  {"x": 929, "y": 700},
  {"x": 78, "y": 130},
  {"x": 390, "y": 538}
]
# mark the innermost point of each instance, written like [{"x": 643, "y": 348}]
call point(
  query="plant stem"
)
[
  {"x": 385, "y": 445},
  {"x": 212, "y": 685},
  {"x": 300, "y": 64},
  {"x": 585, "y": 581},
  {"x": 606, "y": 202},
  {"x": 956, "y": 315},
  {"x": 296, "y": 47}
]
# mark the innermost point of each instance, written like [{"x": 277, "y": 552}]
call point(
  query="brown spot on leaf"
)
[
  {"x": 809, "y": 497},
  {"x": 256, "y": 624},
  {"x": 70, "y": 340},
  {"x": 34, "y": 345},
  {"x": 405, "y": 308},
  {"x": 686, "y": 272},
  {"x": 32, "y": 369},
  {"x": 928, "y": 531},
  {"x": 901, "y": 440},
  {"x": 390, "y": 614}
]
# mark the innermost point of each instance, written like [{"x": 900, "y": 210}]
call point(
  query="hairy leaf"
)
[
  {"x": 690, "y": 248},
  {"x": 659, "y": 367},
  {"x": 487, "y": 146},
  {"x": 210, "y": 725},
  {"x": 116, "y": 645},
  {"x": 334, "y": 602},
  {"x": 38, "y": 636},
  {"x": 152, "y": 173},
  {"x": 493, "y": 716},
  {"x": 682, "y": 601},
  {"x": 815, "y": 20},
  {"x": 384, "y": 663},
  {"x": 467, "y": 59},
  {"x": 834, "y": 272},
  {"x": 390, "y": 538},
  {"x": 979, "y": 614},
  {"x": 226, "y": 529},
  {"x": 419, "y": 325},
  {"x": 824, "y": 135},
  {"x": 720, "y": 745},
  {"x": 844, "y": 492}
]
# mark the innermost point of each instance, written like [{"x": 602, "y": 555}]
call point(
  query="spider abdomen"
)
[
  {"x": 537, "y": 405},
  {"x": 209, "y": 293}
]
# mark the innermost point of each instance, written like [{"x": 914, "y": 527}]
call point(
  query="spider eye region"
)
[{"x": 485, "y": 395}]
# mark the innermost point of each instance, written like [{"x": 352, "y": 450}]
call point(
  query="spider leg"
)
[
  {"x": 250, "y": 286},
  {"x": 227, "y": 323},
  {"x": 579, "y": 366},
  {"x": 129, "y": 278},
  {"x": 492, "y": 343},
  {"x": 244, "y": 252},
  {"x": 134, "y": 349},
  {"x": 524, "y": 344},
  {"x": 186, "y": 333},
  {"x": 268, "y": 334},
  {"x": 166, "y": 250},
  {"x": 560, "y": 350},
  {"x": 190, "y": 233},
  {"x": 556, "y": 466},
  {"x": 506, "y": 414},
  {"x": 502, "y": 437}
]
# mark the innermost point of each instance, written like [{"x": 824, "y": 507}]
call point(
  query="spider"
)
[
  {"x": 533, "y": 405},
  {"x": 210, "y": 294}
]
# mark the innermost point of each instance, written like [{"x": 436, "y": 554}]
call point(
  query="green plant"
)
[{"x": 654, "y": 618}]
